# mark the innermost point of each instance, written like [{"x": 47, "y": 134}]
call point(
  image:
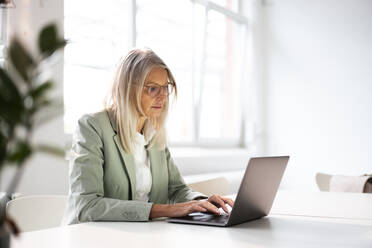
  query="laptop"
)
[{"x": 255, "y": 196}]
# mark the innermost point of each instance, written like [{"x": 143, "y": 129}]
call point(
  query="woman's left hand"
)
[{"x": 220, "y": 201}]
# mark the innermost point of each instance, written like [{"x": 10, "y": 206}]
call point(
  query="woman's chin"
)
[{"x": 154, "y": 114}]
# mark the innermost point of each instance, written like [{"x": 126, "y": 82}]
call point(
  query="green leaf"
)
[
  {"x": 21, "y": 152},
  {"x": 49, "y": 113},
  {"x": 39, "y": 105},
  {"x": 49, "y": 41},
  {"x": 11, "y": 103},
  {"x": 44, "y": 103},
  {"x": 21, "y": 59},
  {"x": 52, "y": 150},
  {"x": 41, "y": 90},
  {"x": 3, "y": 145},
  {"x": 6, "y": 129}
]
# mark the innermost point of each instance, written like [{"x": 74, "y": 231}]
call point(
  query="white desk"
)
[{"x": 276, "y": 230}]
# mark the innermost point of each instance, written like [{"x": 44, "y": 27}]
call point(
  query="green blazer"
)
[{"x": 103, "y": 180}]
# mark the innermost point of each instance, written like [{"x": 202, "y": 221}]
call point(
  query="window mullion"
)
[
  {"x": 199, "y": 94},
  {"x": 243, "y": 98},
  {"x": 133, "y": 23},
  {"x": 226, "y": 12}
]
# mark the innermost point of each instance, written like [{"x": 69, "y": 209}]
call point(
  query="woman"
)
[{"x": 121, "y": 169}]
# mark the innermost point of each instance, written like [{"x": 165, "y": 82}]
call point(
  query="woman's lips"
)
[{"x": 157, "y": 107}]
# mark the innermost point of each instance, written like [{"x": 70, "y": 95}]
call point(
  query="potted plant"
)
[{"x": 25, "y": 103}]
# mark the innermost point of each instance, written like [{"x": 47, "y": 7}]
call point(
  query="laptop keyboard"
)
[{"x": 208, "y": 217}]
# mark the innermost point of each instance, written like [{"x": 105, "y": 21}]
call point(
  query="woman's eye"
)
[{"x": 152, "y": 89}]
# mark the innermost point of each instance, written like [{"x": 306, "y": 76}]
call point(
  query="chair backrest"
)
[
  {"x": 344, "y": 183},
  {"x": 209, "y": 187},
  {"x": 37, "y": 212},
  {"x": 323, "y": 181}
]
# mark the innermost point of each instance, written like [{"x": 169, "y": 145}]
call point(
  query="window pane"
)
[
  {"x": 205, "y": 60},
  {"x": 166, "y": 27},
  {"x": 98, "y": 37},
  {"x": 85, "y": 94},
  {"x": 220, "y": 107}
]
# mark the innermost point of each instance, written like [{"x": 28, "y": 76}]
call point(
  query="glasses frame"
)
[{"x": 167, "y": 89}]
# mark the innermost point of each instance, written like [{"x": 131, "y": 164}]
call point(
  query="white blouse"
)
[{"x": 143, "y": 172}]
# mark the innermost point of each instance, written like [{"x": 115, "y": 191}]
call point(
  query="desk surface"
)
[
  {"x": 276, "y": 230},
  {"x": 272, "y": 231}
]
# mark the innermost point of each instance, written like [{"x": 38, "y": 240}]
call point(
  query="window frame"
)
[{"x": 197, "y": 141}]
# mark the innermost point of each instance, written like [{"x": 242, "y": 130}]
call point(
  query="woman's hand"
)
[
  {"x": 181, "y": 209},
  {"x": 185, "y": 208},
  {"x": 221, "y": 202}
]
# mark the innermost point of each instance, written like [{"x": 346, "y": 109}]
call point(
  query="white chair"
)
[
  {"x": 212, "y": 186},
  {"x": 37, "y": 212},
  {"x": 323, "y": 181},
  {"x": 341, "y": 183}
]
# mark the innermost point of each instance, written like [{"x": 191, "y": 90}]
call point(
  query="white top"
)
[{"x": 143, "y": 172}]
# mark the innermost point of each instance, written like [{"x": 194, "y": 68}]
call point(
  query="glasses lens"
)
[{"x": 153, "y": 91}]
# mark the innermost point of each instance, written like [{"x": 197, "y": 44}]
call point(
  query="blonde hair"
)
[{"x": 124, "y": 101}]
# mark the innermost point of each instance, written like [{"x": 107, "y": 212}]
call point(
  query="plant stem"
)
[{"x": 16, "y": 178}]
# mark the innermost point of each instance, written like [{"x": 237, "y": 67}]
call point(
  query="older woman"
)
[{"x": 121, "y": 168}]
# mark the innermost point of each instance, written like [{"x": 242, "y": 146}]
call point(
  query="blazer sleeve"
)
[
  {"x": 178, "y": 191},
  {"x": 86, "y": 198}
]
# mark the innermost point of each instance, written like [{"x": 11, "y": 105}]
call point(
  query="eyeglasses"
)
[{"x": 156, "y": 90}]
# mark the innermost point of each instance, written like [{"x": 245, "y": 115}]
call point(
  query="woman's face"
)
[{"x": 153, "y": 104}]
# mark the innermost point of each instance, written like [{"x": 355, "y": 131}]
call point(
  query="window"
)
[
  {"x": 97, "y": 38},
  {"x": 201, "y": 41},
  {"x": 3, "y": 34}
]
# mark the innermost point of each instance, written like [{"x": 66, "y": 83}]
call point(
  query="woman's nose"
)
[
  {"x": 162, "y": 94},
  {"x": 161, "y": 98}
]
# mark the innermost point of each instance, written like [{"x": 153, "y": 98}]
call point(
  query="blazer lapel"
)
[
  {"x": 157, "y": 174},
  {"x": 129, "y": 166},
  {"x": 156, "y": 163}
]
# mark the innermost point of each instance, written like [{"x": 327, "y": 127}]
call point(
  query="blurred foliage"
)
[{"x": 24, "y": 97}]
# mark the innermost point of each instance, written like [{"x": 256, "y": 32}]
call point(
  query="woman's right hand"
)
[
  {"x": 185, "y": 208},
  {"x": 182, "y": 209}
]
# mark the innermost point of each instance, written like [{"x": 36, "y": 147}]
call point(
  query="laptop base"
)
[{"x": 209, "y": 219}]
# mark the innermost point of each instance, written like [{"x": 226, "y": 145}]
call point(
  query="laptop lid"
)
[{"x": 258, "y": 188}]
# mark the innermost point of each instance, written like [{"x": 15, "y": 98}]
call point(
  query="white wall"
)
[
  {"x": 43, "y": 174},
  {"x": 318, "y": 81}
]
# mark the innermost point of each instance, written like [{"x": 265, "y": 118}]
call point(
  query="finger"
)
[
  {"x": 198, "y": 208},
  {"x": 228, "y": 201},
  {"x": 219, "y": 201},
  {"x": 210, "y": 207},
  {"x": 194, "y": 208},
  {"x": 213, "y": 199}
]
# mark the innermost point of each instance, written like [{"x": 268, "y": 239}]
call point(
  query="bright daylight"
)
[{"x": 185, "y": 123}]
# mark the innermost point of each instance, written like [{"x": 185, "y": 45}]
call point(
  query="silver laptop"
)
[{"x": 255, "y": 196}]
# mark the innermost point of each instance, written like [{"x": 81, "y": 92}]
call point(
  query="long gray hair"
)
[{"x": 124, "y": 100}]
